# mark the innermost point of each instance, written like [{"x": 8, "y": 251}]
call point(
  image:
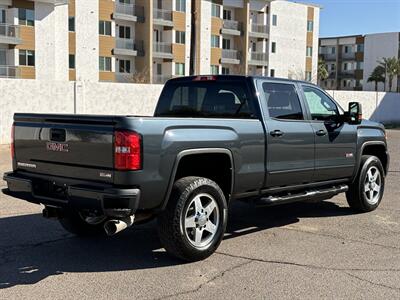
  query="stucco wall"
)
[{"x": 36, "y": 96}]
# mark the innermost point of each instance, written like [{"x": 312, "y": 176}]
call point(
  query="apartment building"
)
[
  {"x": 350, "y": 60},
  {"x": 269, "y": 38},
  {"x": 149, "y": 41}
]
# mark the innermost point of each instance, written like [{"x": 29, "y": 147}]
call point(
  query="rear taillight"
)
[
  {"x": 12, "y": 141},
  {"x": 128, "y": 154},
  {"x": 205, "y": 78}
]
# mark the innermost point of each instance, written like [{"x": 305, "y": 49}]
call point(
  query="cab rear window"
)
[{"x": 205, "y": 99}]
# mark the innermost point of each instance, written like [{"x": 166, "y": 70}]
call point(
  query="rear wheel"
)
[
  {"x": 366, "y": 193},
  {"x": 82, "y": 223},
  {"x": 194, "y": 222}
]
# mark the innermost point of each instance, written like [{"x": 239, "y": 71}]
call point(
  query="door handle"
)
[
  {"x": 276, "y": 133},
  {"x": 321, "y": 132}
]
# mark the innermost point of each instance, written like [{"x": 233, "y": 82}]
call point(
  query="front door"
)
[
  {"x": 335, "y": 140},
  {"x": 290, "y": 137}
]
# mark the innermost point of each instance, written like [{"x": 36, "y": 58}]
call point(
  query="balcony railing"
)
[
  {"x": 130, "y": 10},
  {"x": 161, "y": 79},
  {"x": 9, "y": 72},
  {"x": 162, "y": 14},
  {"x": 230, "y": 54},
  {"x": 129, "y": 44},
  {"x": 9, "y": 31},
  {"x": 259, "y": 28},
  {"x": 329, "y": 56},
  {"x": 349, "y": 55},
  {"x": 232, "y": 25},
  {"x": 259, "y": 58},
  {"x": 162, "y": 47}
]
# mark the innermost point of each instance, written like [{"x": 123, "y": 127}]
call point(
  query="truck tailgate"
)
[{"x": 72, "y": 146}]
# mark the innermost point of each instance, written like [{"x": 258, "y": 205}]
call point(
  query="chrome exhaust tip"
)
[{"x": 112, "y": 227}]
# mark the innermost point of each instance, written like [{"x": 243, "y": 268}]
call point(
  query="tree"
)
[
  {"x": 323, "y": 73},
  {"x": 392, "y": 69},
  {"x": 377, "y": 75}
]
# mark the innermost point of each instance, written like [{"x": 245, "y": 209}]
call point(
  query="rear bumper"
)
[{"x": 63, "y": 192}]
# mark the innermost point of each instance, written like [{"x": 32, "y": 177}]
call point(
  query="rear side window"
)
[
  {"x": 282, "y": 101},
  {"x": 201, "y": 99}
]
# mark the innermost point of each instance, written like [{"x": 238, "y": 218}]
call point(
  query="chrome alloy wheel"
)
[
  {"x": 372, "y": 185},
  {"x": 201, "y": 220}
]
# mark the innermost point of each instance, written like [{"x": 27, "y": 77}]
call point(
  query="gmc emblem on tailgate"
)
[{"x": 57, "y": 147}]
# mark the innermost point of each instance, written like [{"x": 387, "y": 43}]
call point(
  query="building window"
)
[
  {"x": 358, "y": 83},
  {"x": 227, "y": 14},
  {"x": 26, "y": 17},
  {"x": 214, "y": 69},
  {"x": 215, "y": 41},
  {"x": 105, "y": 64},
  {"x": 105, "y": 27},
  {"x": 345, "y": 67},
  {"x": 180, "y": 37},
  {"x": 225, "y": 71},
  {"x": 226, "y": 44},
  {"x": 310, "y": 26},
  {"x": 273, "y": 47},
  {"x": 180, "y": 5},
  {"x": 72, "y": 61},
  {"x": 124, "y": 66},
  {"x": 272, "y": 73},
  {"x": 333, "y": 49},
  {"x": 274, "y": 20},
  {"x": 124, "y": 32},
  {"x": 360, "y": 47},
  {"x": 215, "y": 10},
  {"x": 179, "y": 69},
  {"x": 71, "y": 24},
  {"x": 309, "y": 52},
  {"x": 360, "y": 65},
  {"x": 308, "y": 76},
  {"x": 347, "y": 49},
  {"x": 26, "y": 58}
]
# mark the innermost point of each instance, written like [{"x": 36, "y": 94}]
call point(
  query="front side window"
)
[
  {"x": 26, "y": 17},
  {"x": 215, "y": 41},
  {"x": 27, "y": 58},
  {"x": 180, "y": 37},
  {"x": 105, "y": 64},
  {"x": 179, "y": 69},
  {"x": 105, "y": 27},
  {"x": 321, "y": 107},
  {"x": 282, "y": 101}
]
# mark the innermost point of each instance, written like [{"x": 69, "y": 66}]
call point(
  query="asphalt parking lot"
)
[{"x": 304, "y": 250}]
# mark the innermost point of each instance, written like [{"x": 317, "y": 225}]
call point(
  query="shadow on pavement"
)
[{"x": 31, "y": 248}]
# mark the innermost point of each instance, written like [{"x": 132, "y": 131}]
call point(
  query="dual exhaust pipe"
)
[{"x": 112, "y": 227}]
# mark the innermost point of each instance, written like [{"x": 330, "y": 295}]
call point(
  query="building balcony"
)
[
  {"x": 128, "y": 47},
  {"x": 9, "y": 34},
  {"x": 128, "y": 12},
  {"x": 329, "y": 57},
  {"x": 258, "y": 59},
  {"x": 162, "y": 17},
  {"x": 347, "y": 74},
  {"x": 162, "y": 50},
  {"x": 9, "y": 72},
  {"x": 259, "y": 30},
  {"x": 161, "y": 79},
  {"x": 348, "y": 56},
  {"x": 230, "y": 56},
  {"x": 231, "y": 27}
]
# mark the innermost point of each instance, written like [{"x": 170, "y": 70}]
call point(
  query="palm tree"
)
[
  {"x": 323, "y": 73},
  {"x": 377, "y": 75},
  {"x": 392, "y": 69}
]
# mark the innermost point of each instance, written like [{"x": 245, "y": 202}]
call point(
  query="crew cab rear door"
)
[
  {"x": 335, "y": 140},
  {"x": 289, "y": 136}
]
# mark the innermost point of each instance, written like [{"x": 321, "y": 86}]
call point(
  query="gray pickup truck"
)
[{"x": 212, "y": 140}]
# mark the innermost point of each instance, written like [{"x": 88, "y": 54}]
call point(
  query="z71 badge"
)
[{"x": 57, "y": 147}]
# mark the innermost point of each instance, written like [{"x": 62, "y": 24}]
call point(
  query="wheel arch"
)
[{"x": 197, "y": 156}]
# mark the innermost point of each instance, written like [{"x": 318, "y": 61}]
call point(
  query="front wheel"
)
[
  {"x": 366, "y": 193},
  {"x": 194, "y": 222}
]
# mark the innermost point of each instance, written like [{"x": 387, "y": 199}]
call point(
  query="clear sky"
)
[{"x": 348, "y": 17}]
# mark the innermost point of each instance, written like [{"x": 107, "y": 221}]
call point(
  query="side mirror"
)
[{"x": 355, "y": 113}]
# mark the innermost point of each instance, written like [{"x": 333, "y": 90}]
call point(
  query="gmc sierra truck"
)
[{"x": 212, "y": 140}]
